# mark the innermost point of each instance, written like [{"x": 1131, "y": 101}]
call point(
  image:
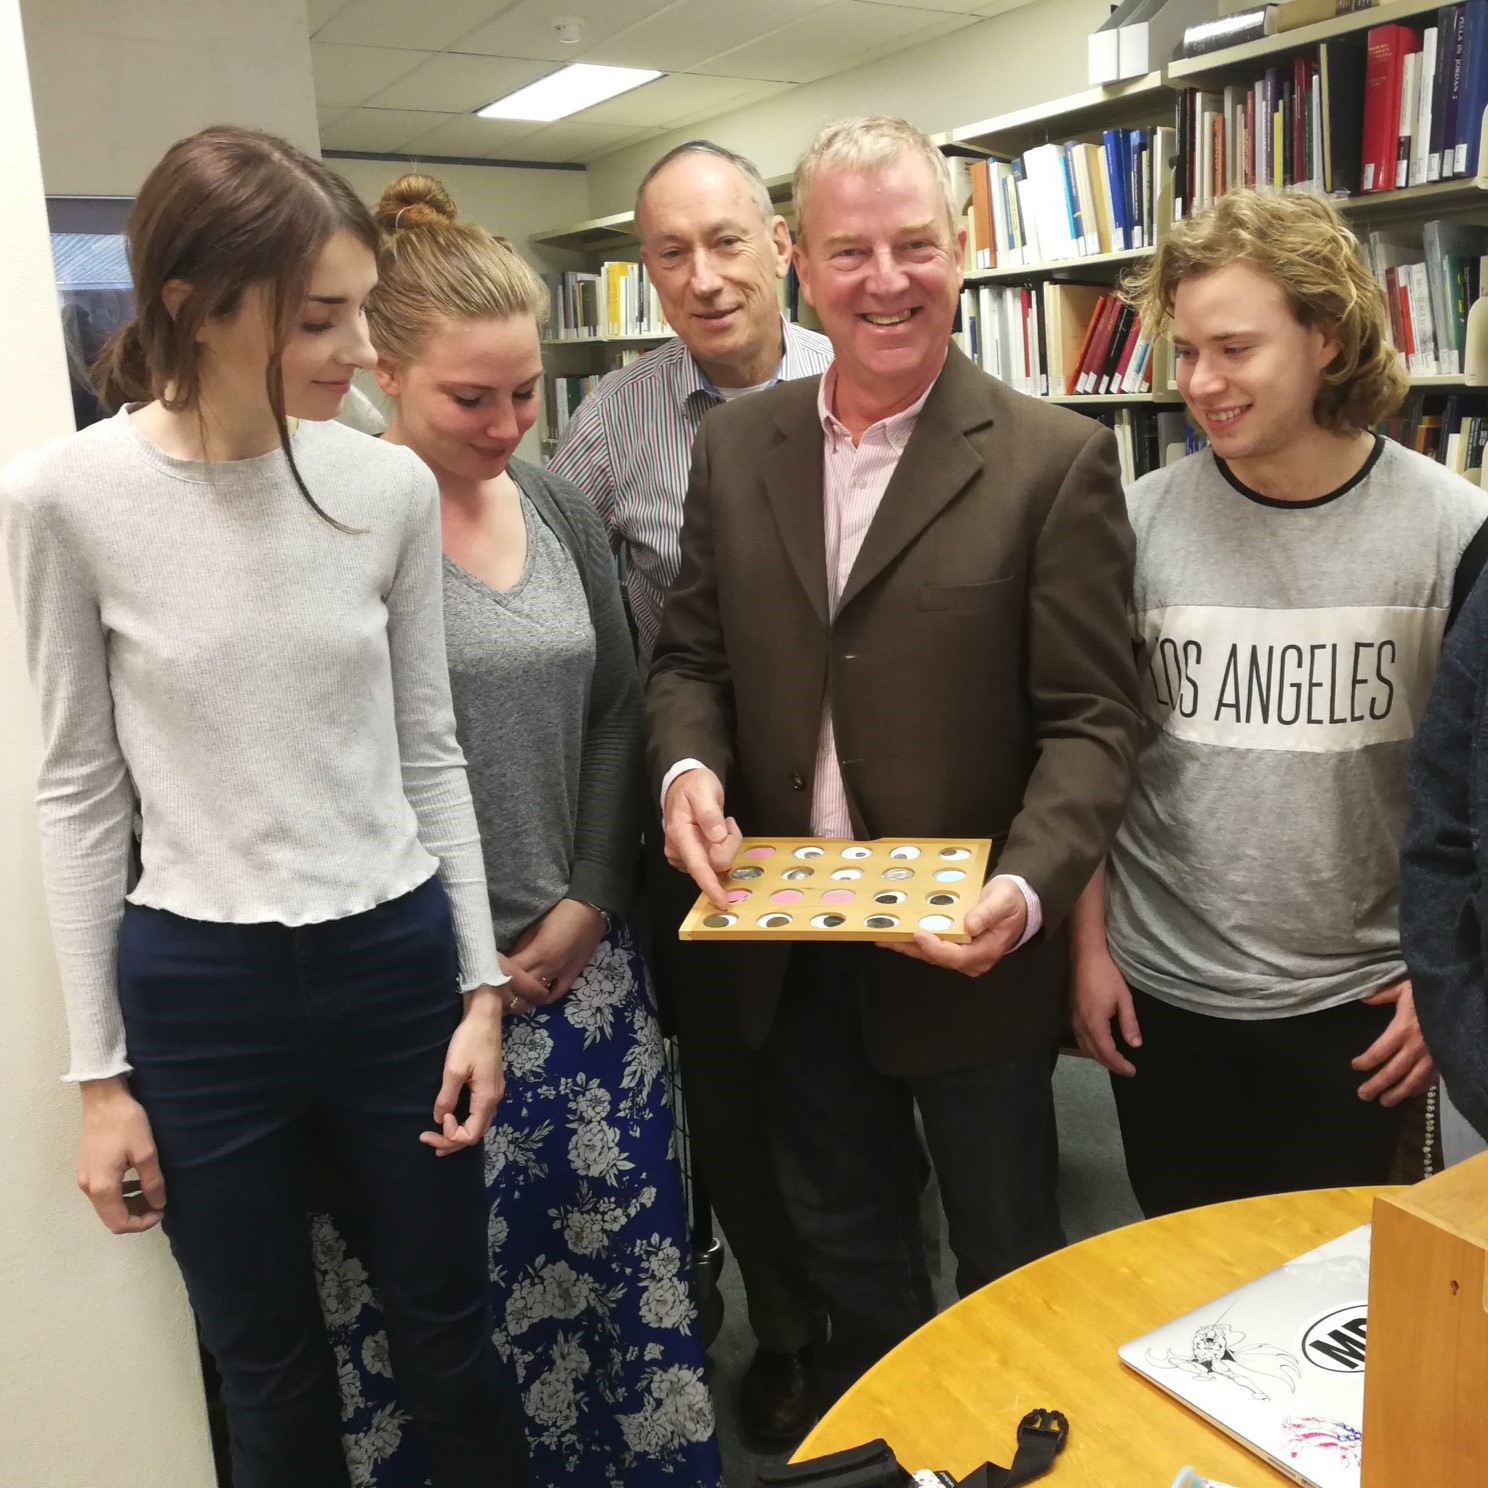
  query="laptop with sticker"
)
[{"x": 1278, "y": 1363}]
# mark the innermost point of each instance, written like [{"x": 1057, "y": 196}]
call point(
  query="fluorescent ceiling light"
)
[{"x": 578, "y": 86}]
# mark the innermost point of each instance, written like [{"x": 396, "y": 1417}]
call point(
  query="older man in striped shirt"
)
[{"x": 715, "y": 249}]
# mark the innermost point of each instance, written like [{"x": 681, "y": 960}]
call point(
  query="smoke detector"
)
[{"x": 569, "y": 29}]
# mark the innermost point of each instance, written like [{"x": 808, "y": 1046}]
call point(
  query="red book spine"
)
[
  {"x": 1299, "y": 118},
  {"x": 1100, "y": 344},
  {"x": 1388, "y": 46},
  {"x": 1073, "y": 377},
  {"x": 1250, "y": 146},
  {"x": 1123, "y": 362},
  {"x": 1407, "y": 325},
  {"x": 1392, "y": 306}
]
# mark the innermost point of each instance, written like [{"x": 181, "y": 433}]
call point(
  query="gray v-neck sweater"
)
[{"x": 271, "y": 691}]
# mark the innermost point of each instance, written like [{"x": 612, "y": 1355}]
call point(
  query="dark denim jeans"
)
[
  {"x": 253, "y": 1045},
  {"x": 851, "y": 1169}
]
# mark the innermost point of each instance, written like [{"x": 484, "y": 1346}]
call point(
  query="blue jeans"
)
[
  {"x": 851, "y": 1168},
  {"x": 252, "y": 1045}
]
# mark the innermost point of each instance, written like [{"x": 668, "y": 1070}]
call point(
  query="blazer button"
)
[{"x": 798, "y": 782}]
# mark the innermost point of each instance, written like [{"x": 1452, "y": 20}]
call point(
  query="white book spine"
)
[
  {"x": 1421, "y": 141},
  {"x": 1420, "y": 303},
  {"x": 1410, "y": 101}
]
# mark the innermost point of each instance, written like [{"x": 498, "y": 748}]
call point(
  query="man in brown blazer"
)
[{"x": 901, "y": 611}]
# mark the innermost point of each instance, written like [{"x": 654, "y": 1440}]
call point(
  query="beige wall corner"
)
[
  {"x": 1034, "y": 51},
  {"x": 116, "y": 84},
  {"x": 100, "y": 1383}
]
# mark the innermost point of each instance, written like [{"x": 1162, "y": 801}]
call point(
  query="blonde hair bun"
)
[{"x": 415, "y": 200}]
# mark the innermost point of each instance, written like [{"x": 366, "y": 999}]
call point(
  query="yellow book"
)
[
  {"x": 1278, "y": 164},
  {"x": 614, "y": 278}
]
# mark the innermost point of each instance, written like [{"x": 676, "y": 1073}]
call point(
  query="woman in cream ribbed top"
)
[{"x": 233, "y": 617}]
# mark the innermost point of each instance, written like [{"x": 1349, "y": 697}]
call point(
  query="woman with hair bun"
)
[
  {"x": 263, "y": 867},
  {"x": 587, "y": 1220}
]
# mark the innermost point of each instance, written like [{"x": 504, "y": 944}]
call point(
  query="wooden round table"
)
[{"x": 952, "y": 1395}]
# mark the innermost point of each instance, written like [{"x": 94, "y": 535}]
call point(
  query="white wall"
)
[
  {"x": 116, "y": 82},
  {"x": 99, "y": 1384},
  {"x": 1022, "y": 57}
]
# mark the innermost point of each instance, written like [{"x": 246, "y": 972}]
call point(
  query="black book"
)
[{"x": 1341, "y": 61}]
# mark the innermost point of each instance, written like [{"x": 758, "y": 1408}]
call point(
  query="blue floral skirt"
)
[{"x": 590, "y": 1290}]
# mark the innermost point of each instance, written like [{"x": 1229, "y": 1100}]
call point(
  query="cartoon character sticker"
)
[{"x": 1220, "y": 1352}]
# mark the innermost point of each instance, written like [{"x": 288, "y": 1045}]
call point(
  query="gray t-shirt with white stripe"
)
[{"x": 1286, "y": 651}]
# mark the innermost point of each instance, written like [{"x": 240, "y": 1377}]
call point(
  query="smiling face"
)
[
  {"x": 1248, "y": 369},
  {"x": 714, "y": 261},
  {"x": 468, "y": 397},
  {"x": 326, "y": 343},
  {"x": 881, "y": 265}
]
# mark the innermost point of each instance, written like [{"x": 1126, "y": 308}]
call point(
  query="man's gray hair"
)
[
  {"x": 868, "y": 144},
  {"x": 746, "y": 168}
]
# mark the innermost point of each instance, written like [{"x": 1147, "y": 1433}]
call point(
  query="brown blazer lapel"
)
[
  {"x": 936, "y": 466},
  {"x": 793, "y": 486}
]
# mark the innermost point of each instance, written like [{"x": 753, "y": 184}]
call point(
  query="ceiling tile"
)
[
  {"x": 679, "y": 96},
  {"x": 378, "y": 129},
  {"x": 318, "y": 12},
  {"x": 477, "y": 138},
  {"x": 953, "y": 7},
  {"x": 453, "y": 82},
  {"x": 565, "y": 141},
  {"x": 348, "y": 75},
  {"x": 692, "y": 30},
  {"x": 326, "y": 116},
  {"x": 846, "y": 33},
  {"x": 526, "y": 28},
  {"x": 430, "y": 26}
]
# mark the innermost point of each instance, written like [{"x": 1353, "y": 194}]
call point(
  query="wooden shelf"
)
[
  {"x": 1133, "y": 102},
  {"x": 1441, "y": 380},
  {"x": 1191, "y": 71},
  {"x": 1461, "y": 192},
  {"x": 1058, "y": 266}
]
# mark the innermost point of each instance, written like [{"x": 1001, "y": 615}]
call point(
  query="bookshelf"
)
[
  {"x": 1096, "y": 262},
  {"x": 1149, "y": 103},
  {"x": 1116, "y": 106},
  {"x": 1221, "y": 66},
  {"x": 652, "y": 340}
]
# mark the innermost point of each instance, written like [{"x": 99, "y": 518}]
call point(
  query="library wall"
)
[
  {"x": 1022, "y": 57},
  {"x": 116, "y": 84},
  {"x": 100, "y": 1385},
  {"x": 514, "y": 203}
]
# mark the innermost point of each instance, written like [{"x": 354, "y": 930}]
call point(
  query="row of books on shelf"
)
[
  {"x": 1453, "y": 431},
  {"x": 1056, "y": 339},
  {"x": 563, "y": 396},
  {"x": 1395, "y": 106},
  {"x": 1430, "y": 276},
  {"x": 1065, "y": 201},
  {"x": 619, "y": 300},
  {"x": 1148, "y": 438}
]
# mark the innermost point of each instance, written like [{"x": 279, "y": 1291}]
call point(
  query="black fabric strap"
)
[{"x": 1041, "y": 1438}]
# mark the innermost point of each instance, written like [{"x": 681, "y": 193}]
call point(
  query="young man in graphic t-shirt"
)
[{"x": 1237, "y": 964}]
